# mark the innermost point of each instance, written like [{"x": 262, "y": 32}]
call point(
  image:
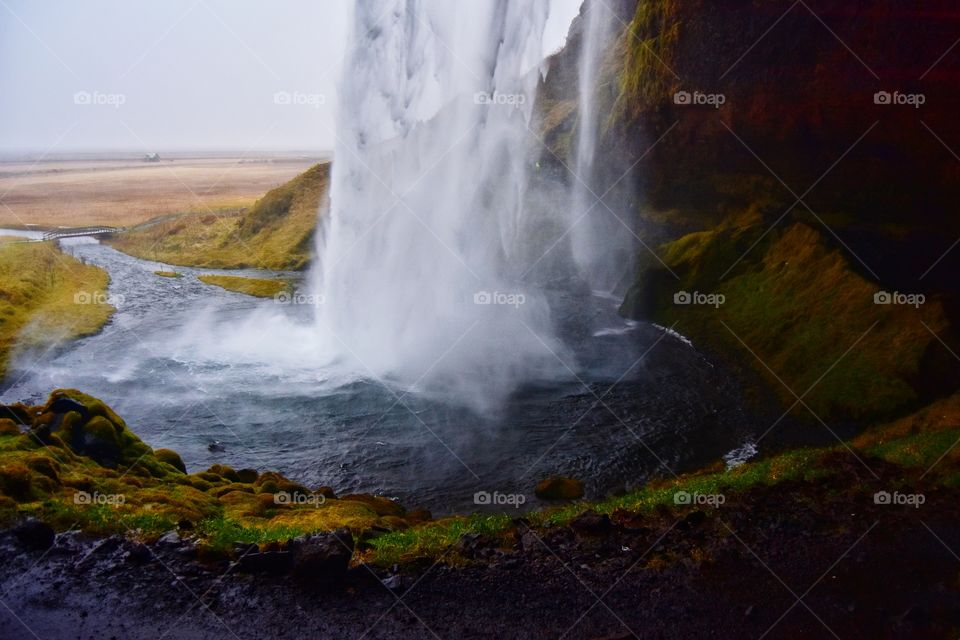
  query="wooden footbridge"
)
[{"x": 80, "y": 232}]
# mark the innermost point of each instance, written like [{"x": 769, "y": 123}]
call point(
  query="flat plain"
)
[{"x": 128, "y": 191}]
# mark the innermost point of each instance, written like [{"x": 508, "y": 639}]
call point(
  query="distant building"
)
[{"x": 152, "y": 157}]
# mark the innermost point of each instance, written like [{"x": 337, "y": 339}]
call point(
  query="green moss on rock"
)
[{"x": 172, "y": 458}]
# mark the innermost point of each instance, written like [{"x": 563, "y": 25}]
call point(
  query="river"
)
[{"x": 639, "y": 400}]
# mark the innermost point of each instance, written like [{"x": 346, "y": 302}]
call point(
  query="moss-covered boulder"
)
[
  {"x": 89, "y": 428},
  {"x": 73, "y": 462},
  {"x": 170, "y": 457}
]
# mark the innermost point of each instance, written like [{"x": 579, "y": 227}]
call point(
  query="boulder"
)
[
  {"x": 170, "y": 538},
  {"x": 34, "y": 534},
  {"x": 559, "y": 488},
  {"x": 322, "y": 557},
  {"x": 273, "y": 562},
  {"x": 137, "y": 552}
]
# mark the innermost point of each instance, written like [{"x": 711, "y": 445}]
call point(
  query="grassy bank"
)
[
  {"x": 259, "y": 287},
  {"x": 74, "y": 462},
  {"x": 47, "y": 296},
  {"x": 275, "y": 233}
]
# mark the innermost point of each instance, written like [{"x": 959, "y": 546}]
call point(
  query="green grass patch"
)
[
  {"x": 168, "y": 274},
  {"x": 220, "y": 533},
  {"x": 434, "y": 539}
]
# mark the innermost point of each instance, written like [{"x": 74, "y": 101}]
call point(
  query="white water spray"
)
[
  {"x": 419, "y": 268},
  {"x": 598, "y": 238}
]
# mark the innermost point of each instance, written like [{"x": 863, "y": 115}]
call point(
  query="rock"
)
[
  {"x": 591, "y": 523},
  {"x": 188, "y": 550},
  {"x": 471, "y": 543},
  {"x": 172, "y": 458},
  {"x": 34, "y": 534},
  {"x": 394, "y": 582},
  {"x": 559, "y": 488},
  {"x": 244, "y": 548},
  {"x": 531, "y": 542},
  {"x": 170, "y": 538},
  {"x": 137, "y": 552},
  {"x": 63, "y": 404},
  {"x": 274, "y": 562},
  {"x": 322, "y": 557},
  {"x": 248, "y": 476}
]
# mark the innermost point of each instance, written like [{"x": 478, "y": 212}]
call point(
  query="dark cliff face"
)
[
  {"x": 785, "y": 151},
  {"x": 798, "y": 82}
]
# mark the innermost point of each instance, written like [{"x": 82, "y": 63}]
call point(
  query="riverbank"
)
[
  {"x": 833, "y": 527},
  {"x": 48, "y": 297},
  {"x": 275, "y": 232}
]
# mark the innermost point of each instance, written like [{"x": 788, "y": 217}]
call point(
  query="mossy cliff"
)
[{"x": 798, "y": 196}]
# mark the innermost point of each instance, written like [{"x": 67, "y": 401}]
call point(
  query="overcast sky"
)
[{"x": 177, "y": 74}]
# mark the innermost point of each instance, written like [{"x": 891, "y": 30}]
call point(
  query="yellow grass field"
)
[{"x": 129, "y": 191}]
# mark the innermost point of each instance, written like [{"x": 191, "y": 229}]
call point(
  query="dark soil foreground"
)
[{"x": 803, "y": 561}]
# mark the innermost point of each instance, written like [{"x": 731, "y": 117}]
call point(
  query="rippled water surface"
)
[{"x": 631, "y": 399}]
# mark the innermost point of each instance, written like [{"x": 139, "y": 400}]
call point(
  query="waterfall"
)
[
  {"x": 598, "y": 239},
  {"x": 419, "y": 273}
]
